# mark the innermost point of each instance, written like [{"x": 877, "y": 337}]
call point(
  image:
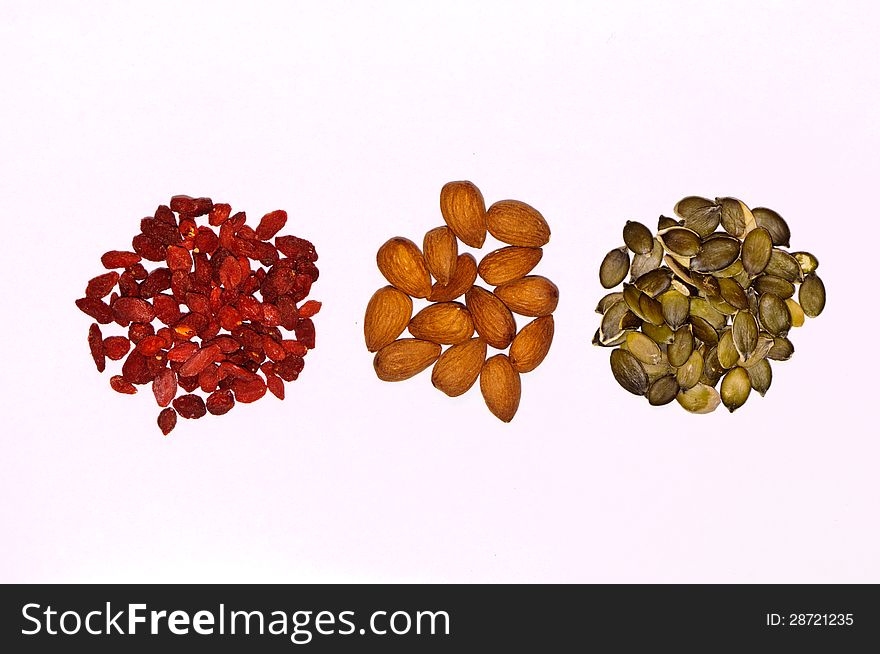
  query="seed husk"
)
[
  {"x": 733, "y": 270},
  {"x": 663, "y": 390},
  {"x": 632, "y": 297},
  {"x": 643, "y": 348},
  {"x": 608, "y": 300},
  {"x": 781, "y": 288},
  {"x": 774, "y": 314},
  {"x": 745, "y": 333},
  {"x": 756, "y": 250},
  {"x": 735, "y": 388},
  {"x": 637, "y": 237},
  {"x": 773, "y": 223},
  {"x": 812, "y": 295},
  {"x": 733, "y": 216},
  {"x": 676, "y": 308},
  {"x": 796, "y": 311},
  {"x": 597, "y": 341},
  {"x": 765, "y": 342},
  {"x": 761, "y": 376},
  {"x": 681, "y": 241},
  {"x": 717, "y": 252},
  {"x": 782, "y": 264},
  {"x": 721, "y": 306},
  {"x": 703, "y": 330},
  {"x": 708, "y": 285},
  {"x": 681, "y": 347},
  {"x": 690, "y": 373},
  {"x": 610, "y": 328},
  {"x": 806, "y": 261},
  {"x": 702, "y": 398},
  {"x": 665, "y": 222},
  {"x": 614, "y": 267},
  {"x": 655, "y": 282},
  {"x": 782, "y": 349},
  {"x": 628, "y": 372},
  {"x": 679, "y": 270},
  {"x": 733, "y": 293},
  {"x": 660, "y": 334},
  {"x": 728, "y": 356},
  {"x": 643, "y": 263}
]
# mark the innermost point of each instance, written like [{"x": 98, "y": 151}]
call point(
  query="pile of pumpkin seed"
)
[{"x": 704, "y": 304}]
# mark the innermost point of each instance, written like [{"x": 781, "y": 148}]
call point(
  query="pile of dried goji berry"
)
[{"x": 214, "y": 333}]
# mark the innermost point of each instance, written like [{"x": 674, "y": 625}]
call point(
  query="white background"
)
[{"x": 351, "y": 116}]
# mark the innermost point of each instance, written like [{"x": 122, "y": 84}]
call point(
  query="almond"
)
[
  {"x": 492, "y": 319},
  {"x": 463, "y": 277},
  {"x": 441, "y": 253},
  {"x": 404, "y": 359},
  {"x": 403, "y": 265},
  {"x": 508, "y": 263},
  {"x": 458, "y": 367},
  {"x": 532, "y": 344},
  {"x": 464, "y": 210},
  {"x": 530, "y": 296},
  {"x": 500, "y": 385},
  {"x": 516, "y": 223},
  {"x": 388, "y": 313},
  {"x": 446, "y": 323}
]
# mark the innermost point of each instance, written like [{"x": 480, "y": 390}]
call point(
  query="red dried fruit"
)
[
  {"x": 135, "y": 369},
  {"x": 199, "y": 360},
  {"x": 296, "y": 248},
  {"x": 275, "y": 386},
  {"x": 220, "y": 402},
  {"x": 206, "y": 241},
  {"x": 290, "y": 368},
  {"x": 305, "y": 333},
  {"x": 219, "y": 214},
  {"x": 140, "y": 330},
  {"x": 309, "y": 309},
  {"x": 273, "y": 349},
  {"x": 96, "y": 347},
  {"x": 116, "y": 347},
  {"x": 295, "y": 347},
  {"x": 166, "y": 308},
  {"x": 182, "y": 351},
  {"x": 96, "y": 309},
  {"x": 249, "y": 390},
  {"x": 191, "y": 206},
  {"x": 190, "y": 406},
  {"x": 271, "y": 224},
  {"x": 119, "y": 384},
  {"x": 165, "y": 387},
  {"x": 150, "y": 345},
  {"x": 167, "y": 420},
  {"x": 133, "y": 309},
  {"x": 138, "y": 272},
  {"x": 178, "y": 258},
  {"x": 148, "y": 247},
  {"x": 119, "y": 259},
  {"x": 209, "y": 378},
  {"x": 100, "y": 286}
]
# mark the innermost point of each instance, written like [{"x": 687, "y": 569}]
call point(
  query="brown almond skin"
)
[
  {"x": 446, "y": 323},
  {"x": 463, "y": 277},
  {"x": 492, "y": 319},
  {"x": 388, "y": 313},
  {"x": 506, "y": 264},
  {"x": 458, "y": 367},
  {"x": 402, "y": 264},
  {"x": 532, "y": 344},
  {"x": 501, "y": 388},
  {"x": 464, "y": 210},
  {"x": 441, "y": 253},
  {"x": 404, "y": 359},
  {"x": 516, "y": 223},
  {"x": 533, "y": 296}
]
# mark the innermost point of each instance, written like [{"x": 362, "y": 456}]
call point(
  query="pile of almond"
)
[{"x": 440, "y": 274}]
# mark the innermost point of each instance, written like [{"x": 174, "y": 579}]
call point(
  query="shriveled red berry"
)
[
  {"x": 100, "y": 286},
  {"x": 275, "y": 386},
  {"x": 247, "y": 391},
  {"x": 219, "y": 214},
  {"x": 309, "y": 309},
  {"x": 200, "y": 360},
  {"x": 271, "y": 224},
  {"x": 296, "y": 248},
  {"x": 290, "y": 368},
  {"x": 165, "y": 387},
  {"x": 178, "y": 258},
  {"x": 190, "y": 406},
  {"x": 97, "y": 309},
  {"x": 167, "y": 420},
  {"x": 150, "y": 345},
  {"x": 148, "y": 247},
  {"x": 191, "y": 206},
  {"x": 220, "y": 402},
  {"x": 305, "y": 333},
  {"x": 119, "y": 259},
  {"x": 121, "y": 385},
  {"x": 133, "y": 309},
  {"x": 116, "y": 347},
  {"x": 96, "y": 347},
  {"x": 140, "y": 330}
]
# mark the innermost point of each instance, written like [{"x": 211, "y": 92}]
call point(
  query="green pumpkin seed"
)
[
  {"x": 756, "y": 250},
  {"x": 681, "y": 241},
  {"x": 773, "y": 223},
  {"x": 686, "y": 206},
  {"x": 637, "y": 237},
  {"x": 629, "y": 372},
  {"x": 690, "y": 373},
  {"x": 656, "y": 371},
  {"x": 735, "y": 388},
  {"x": 733, "y": 270},
  {"x": 765, "y": 343},
  {"x": 728, "y": 356},
  {"x": 676, "y": 308},
  {"x": 782, "y": 264},
  {"x": 608, "y": 300},
  {"x": 733, "y": 293},
  {"x": 655, "y": 282},
  {"x": 703, "y": 221},
  {"x": 806, "y": 261},
  {"x": 717, "y": 252},
  {"x": 721, "y": 306},
  {"x": 699, "y": 399},
  {"x": 643, "y": 263},
  {"x": 796, "y": 311},
  {"x": 781, "y": 288},
  {"x": 610, "y": 329},
  {"x": 660, "y": 334},
  {"x": 703, "y": 330},
  {"x": 678, "y": 270},
  {"x": 652, "y": 310},
  {"x": 681, "y": 347},
  {"x": 643, "y": 348},
  {"x": 733, "y": 216},
  {"x": 620, "y": 340},
  {"x": 774, "y": 314},
  {"x": 745, "y": 333},
  {"x": 614, "y": 268},
  {"x": 782, "y": 349},
  {"x": 712, "y": 368},
  {"x": 702, "y": 308},
  {"x": 812, "y": 295},
  {"x": 761, "y": 376},
  {"x": 665, "y": 222},
  {"x": 663, "y": 390},
  {"x": 632, "y": 296}
]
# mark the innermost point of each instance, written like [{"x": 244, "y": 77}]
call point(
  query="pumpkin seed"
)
[
  {"x": 701, "y": 307},
  {"x": 728, "y": 356},
  {"x": 781, "y": 288},
  {"x": 782, "y": 349},
  {"x": 643, "y": 263},
  {"x": 735, "y": 388},
  {"x": 686, "y": 206},
  {"x": 614, "y": 267},
  {"x": 733, "y": 293},
  {"x": 756, "y": 250},
  {"x": 663, "y": 390},
  {"x": 608, "y": 300},
  {"x": 703, "y": 330},
  {"x": 665, "y": 222},
  {"x": 660, "y": 334},
  {"x": 652, "y": 310},
  {"x": 812, "y": 295},
  {"x": 690, "y": 373},
  {"x": 733, "y": 270},
  {"x": 733, "y": 216},
  {"x": 629, "y": 372},
  {"x": 807, "y": 261},
  {"x": 782, "y": 264},
  {"x": 797, "y": 313},
  {"x": 643, "y": 348},
  {"x": 681, "y": 347},
  {"x": 699, "y": 399},
  {"x": 612, "y": 343},
  {"x": 765, "y": 342},
  {"x": 745, "y": 333},
  {"x": 773, "y": 223},
  {"x": 637, "y": 237},
  {"x": 676, "y": 308},
  {"x": 718, "y": 251},
  {"x": 703, "y": 221},
  {"x": 712, "y": 368},
  {"x": 774, "y": 314},
  {"x": 654, "y": 282},
  {"x": 681, "y": 241},
  {"x": 761, "y": 376}
]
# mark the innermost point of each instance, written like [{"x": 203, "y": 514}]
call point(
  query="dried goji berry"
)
[
  {"x": 220, "y": 402},
  {"x": 116, "y": 347},
  {"x": 209, "y": 377},
  {"x": 290, "y": 367},
  {"x": 96, "y": 309},
  {"x": 139, "y": 330},
  {"x": 167, "y": 420},
  {"x": 190, "y": 406},
  {"x": 296, "y": 248},
  {"x": 247, "y": 391},
  {"x": 305, "y": 332},
  {"x": 199, "y": 360},
  {"x": 96, "y": 346},
  {"x": 148, "y": 247},
  {"x": 178, "y": 258},
  {"x": 119, "y": 384},
  {"x": 100, "y": 286},
  {"x": 191, "y": 206},
  {"x": 219, "y": 214},
  {"x": 275, "y": 386},
  {"x": 165, "y": 387},
  {"x": 150, "y": 345},
  {"x": 119, "y": 259},
  {"x": 133, "y": 309}
]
